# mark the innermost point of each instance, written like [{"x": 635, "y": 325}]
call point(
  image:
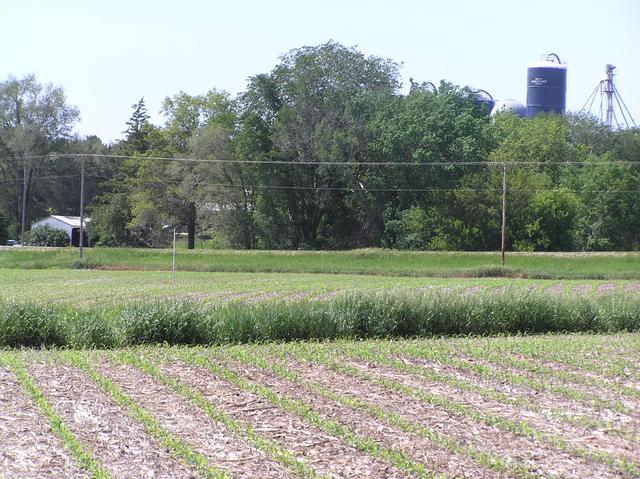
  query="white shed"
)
[{"x": 69, "y": 224}]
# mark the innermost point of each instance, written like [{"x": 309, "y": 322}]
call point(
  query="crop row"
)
[{"x": 372, "y": 411}]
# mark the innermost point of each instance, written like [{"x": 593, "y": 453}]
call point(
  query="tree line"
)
[{"x": 324, "y": 152}]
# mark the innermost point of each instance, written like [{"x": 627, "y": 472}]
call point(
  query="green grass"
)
[
  {"x": 352, "y": 315},
  {"x": 366, "y": 261}
]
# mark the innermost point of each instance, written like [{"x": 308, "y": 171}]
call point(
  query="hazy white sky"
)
[{"x": 108, "y": 54}]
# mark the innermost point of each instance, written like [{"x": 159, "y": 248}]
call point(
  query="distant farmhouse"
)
[{"x": 69, "y": 224}]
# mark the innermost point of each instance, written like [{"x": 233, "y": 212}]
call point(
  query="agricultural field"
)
[
  {"x": 87, "y": 288},
  {"x": 120, "y": 372},
  {"x": 537, "y": 406}
]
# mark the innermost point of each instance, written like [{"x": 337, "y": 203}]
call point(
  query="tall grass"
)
[{"x": 357, "y": 315}]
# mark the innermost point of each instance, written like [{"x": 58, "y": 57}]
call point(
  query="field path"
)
[{"x": 28, "y": 447}]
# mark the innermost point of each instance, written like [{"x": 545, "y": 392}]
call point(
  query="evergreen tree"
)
[{"x": 137, "y": 129}]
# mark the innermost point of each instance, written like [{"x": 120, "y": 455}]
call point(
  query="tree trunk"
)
[{"x": 191, "y": 226}]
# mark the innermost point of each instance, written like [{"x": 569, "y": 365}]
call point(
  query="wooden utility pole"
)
[
  {"x": 81, "y": 242},
  {"x": 24, "y": 202},
  {"x": 504, "y": 210}
]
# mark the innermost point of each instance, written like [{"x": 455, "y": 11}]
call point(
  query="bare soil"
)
[
  {"x": 564, "y": 438},
  {"x": 363, "y": 424},
  {"x": 543, "y": 401},
  {"x": 541, "y": 458},
  {"x": 593, "y": 392},
  {"x": 224, "y": 449},
  {"x": 119, "y": 442},
  {"x": 28, "y": 447},
  {"x": 604, "y": 381},
  {"x": 327, "y": 454},
  {"x": 578, "y": 437}
]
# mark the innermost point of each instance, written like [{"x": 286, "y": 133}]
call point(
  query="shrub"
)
[{"x": 47, "y": 236}]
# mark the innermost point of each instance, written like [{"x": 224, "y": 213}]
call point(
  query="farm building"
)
[{"x": 69, "y": 224}]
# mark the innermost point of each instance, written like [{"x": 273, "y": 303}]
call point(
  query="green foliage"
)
[
  {"x": 313, "y": 107},
  {"x": 408, "y": 231},
  {"x": 47, "y": 236},
  {"x": 110, "y": 221},
  {"x": 35, "y": 119},
  {"x": 271, "y": 181},
  {"x": 356, "y": 315},
  {"x": 552, "y": 217},
  {"x": 610, "y": 196},
  {"x": 137, "y": 131}
]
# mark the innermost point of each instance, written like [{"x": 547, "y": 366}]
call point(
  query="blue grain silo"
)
[
  {"x": 547, "y": 86},
  {"x": 510, "y": 105},
  {"x": 484, "y": 99}
]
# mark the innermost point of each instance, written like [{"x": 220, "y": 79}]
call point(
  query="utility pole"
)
[
  {"x": 24, "y": 201},
  {"x": 81, "y": 242},
  {"x": 504, "y": 210}
]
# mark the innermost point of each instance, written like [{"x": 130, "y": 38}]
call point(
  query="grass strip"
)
[
  {"x": 521, "y": 428},
  {"x": 297, "y": 407},
  {"x": 492, "y": 461},
  {"x": 271, "y": 448},
  {"x": 84, "y": 456},
  {"x": 152, "y": 425},
  {"x": 360, "y": 261},
  {"x": 374, "y": 353},
  {"x": 354, "y": 315}
]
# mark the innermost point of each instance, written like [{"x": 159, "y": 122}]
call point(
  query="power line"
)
[
  {"x": 346, "y": 188},
  {"x": 40, "y": 178},
  {"x": 323, "y": 163}
]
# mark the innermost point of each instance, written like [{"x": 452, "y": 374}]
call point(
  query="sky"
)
[{"x": 108, "y": 54}]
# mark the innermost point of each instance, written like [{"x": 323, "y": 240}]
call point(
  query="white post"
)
[{"x": 174, "y": 256}]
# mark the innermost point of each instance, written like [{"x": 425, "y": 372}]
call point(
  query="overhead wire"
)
[
  {"x": 357, "y": 188},
  {"x": 324, "y": 163}
]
